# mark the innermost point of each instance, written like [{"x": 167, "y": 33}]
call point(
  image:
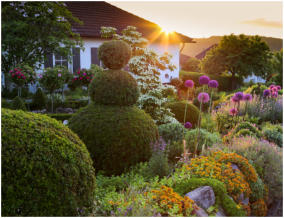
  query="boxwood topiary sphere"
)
[
  {"x": 114, "y": 54},
  {"x": 46, "y": 168},
  {"x": 114, "y": 87},
  {"x": 178, "y": 107},
  {"x": 116, "y": 137}
]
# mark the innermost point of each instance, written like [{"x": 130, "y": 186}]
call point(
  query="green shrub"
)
[
  {"x": 256, "y": 89},
  {"x": 5, "y": 103},
  {"x": 172, "y": 132},
  {"x": 158, "y": 165},
  {"x": 192, "y": 114},
  {"x": 273, "y": 133},
  {"x": 192, "y": 64},
  {"x": 10, "y": 94},
  {"x": 117, "y": 137},
  {"x": 18, "y": 104},
  {"x": 244, "y": 132},
  {"x": 219, "y": 189},
  {"x": 208, "y": 123},
  {"x": 75, "y": 104},
  {"x": 60, "y": 117},
  {"x": 114, "y": 87},
  {"x": 58, "y": 101},
  {"x": 206, "y": 139},
  {"x": 114, "y": 54},
  {"x": 39, "y": 100},
  {"x": 46, "y": 169},
  {"x": 257, "y": 189}
]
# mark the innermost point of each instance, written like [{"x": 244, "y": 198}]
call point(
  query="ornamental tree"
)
[
  {"x": 22, "y": 75},
  {"x": 31, "y": 30},
  {"x": 53, "y": 79},
  {"x": 239, "y": 56},
  {"x": 145, "y": 64}
]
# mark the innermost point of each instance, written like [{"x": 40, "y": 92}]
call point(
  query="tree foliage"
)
[
  {"x": 31, "y": 30},
  {"x": 239, "y": 55},
  {"x": 277, "y": 67},
  {"x": 192, "y": 64},
  {"x": 146, "y": 65}
]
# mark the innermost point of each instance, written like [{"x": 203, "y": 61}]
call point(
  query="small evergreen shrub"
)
[
  {"x": 116, "y": 137},
  {"x": 244, "y": 132},
  {"x": 171, "y": 132},
  {"x": 248, "y": 126},
  {"x": 206, "y": 139},
  {"x": 114, "y": 54},
  {"x": 257, "y": 189},
  {"x": 39, "y": 100},
  {"x": 18, "y": 104},
  {"x": 192, "y": 114},
  {"x": 273, "y": 133},
  {"x": 46, "y": 169},
  {"x": 108, "y": 82}
]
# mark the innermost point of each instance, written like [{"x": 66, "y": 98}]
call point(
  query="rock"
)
[
  {"x": 199, "y": 211},
  {"x": 242, "y": 199},
  {"x": 203, "y": 196},
  {"x": 220, "y": 212},
  {"x": 234, "y": 166},
  {"x": 64, "y": 110},
  {"x": 65, "y": 122}
]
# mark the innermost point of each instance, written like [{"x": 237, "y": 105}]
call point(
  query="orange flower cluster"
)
[
  {"x": 167, "y": 199},
  {"x": 259, "y": 208},
  {"x": 246, "y": 168},
  {"x": 208, "y": 167}
]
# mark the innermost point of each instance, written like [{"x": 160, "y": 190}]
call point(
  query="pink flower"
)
[
  {"x": 233, "y": 111},
  {"x": 84, "y": 74},
  {"x": 13, "y": 75},
  {"x": 203, "y": 97},
  {"x": 88, "y": 77},
  {"x": 81, "y": 78},
  {"x": 278, "y": 88},
  {"x": 189, "y": 83},
  {"x": 75, "y": 78},
  {"x": 271, "y": 86},
  {"x": 78, "y": 72}
]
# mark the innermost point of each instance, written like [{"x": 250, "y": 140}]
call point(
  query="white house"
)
[{"x": 97, "y": 14}]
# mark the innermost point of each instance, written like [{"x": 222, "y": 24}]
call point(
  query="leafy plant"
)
[
  {"x": 47, "y": 170},
  {"x": 273, "y": 133},
  {"x": 39, "y": 99},
  {"x": 18, "y": 104}
]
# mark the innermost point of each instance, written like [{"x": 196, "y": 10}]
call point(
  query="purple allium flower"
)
[
  {"x": 247, "y": 97},
  {"x": 271, "y": 86},
  {"x": 59, "y": 75},
  {"x": 266, "y": 93},
  {"x": 213, "y": 84},
  {"x": 274, "y": 94},
  {"x": 278, "y": 88},
  {"x": 189, "y": 83},
  {"x": 204, "y": 80},
  {"x": 239, "y": 95},
  {"x": 188, "y": 125},
  {"x": 235, "y": 99},
  {"x": 233, "y": 111},
  {"x": 203, "y": 97}
]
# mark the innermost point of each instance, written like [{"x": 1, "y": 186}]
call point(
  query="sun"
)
[{"x": 167, "y": 30}]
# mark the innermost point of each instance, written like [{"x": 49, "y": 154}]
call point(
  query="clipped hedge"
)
[
  {"x": 178, "y": 107},
  {"x": 224, "y": 81},
  {"x": 114, "y": 54},
  {"x": 46, "y": 168},
  {"x": 222, "y": 198},
  {"x": 114, "y": 87},
  {"x": 60, "y": 117},
  {"x": 117, "y": 137}
]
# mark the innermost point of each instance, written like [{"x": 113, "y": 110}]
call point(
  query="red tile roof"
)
[{"x": 98, "y": 13}]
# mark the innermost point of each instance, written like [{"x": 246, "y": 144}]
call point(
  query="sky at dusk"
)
[{"x": 205, "y": 19}]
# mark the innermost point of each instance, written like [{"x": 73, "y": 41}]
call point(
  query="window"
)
[{"x": 61, "y": 61}]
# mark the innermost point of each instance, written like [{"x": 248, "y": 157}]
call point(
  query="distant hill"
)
[{"x": 193, "y": 49}]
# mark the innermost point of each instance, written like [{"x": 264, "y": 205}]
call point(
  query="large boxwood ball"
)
[
  {"x": 46, "y": 168},
  {"x": 116, "y": 137},
  {"x": 114, "y": 54},
  {"x": 114, "y": 87},
  {"x": 192, "y": 113}
]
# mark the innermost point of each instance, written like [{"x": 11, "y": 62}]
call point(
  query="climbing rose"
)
[
  {"x": 203, "y": 97},
  {"x": 189, "y": 83},
  {"x": 233, "y": 111},
  {"x": 204, "y": 80},
  {"x": 247, "y": 97},
  {"x": 188, "y": 125},
  {"x": 213, "y": 84}
]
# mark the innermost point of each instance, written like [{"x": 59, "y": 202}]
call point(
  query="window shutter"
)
[
  {"x": 76, "y": 59},
  {"x": 94, "y": 56},
  {"x": 48, "y": 62}
]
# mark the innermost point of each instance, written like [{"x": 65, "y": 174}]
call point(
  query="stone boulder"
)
[
  {"x": 203, "y": 196},
  {"x": 64, "y": 110}
]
